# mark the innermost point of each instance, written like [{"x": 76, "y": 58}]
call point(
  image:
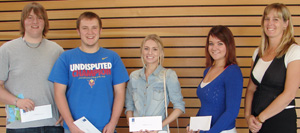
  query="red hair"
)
[{"x": 225, "y": 35}]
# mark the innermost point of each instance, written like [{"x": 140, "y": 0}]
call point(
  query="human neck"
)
[
  {"x": 92, "y": 49},
  {"x": 274, "y": 42},
  {"x": 220, "y": 63},
  {"x": 150, "y": 69},
  {"x": 33, "y": 39}
]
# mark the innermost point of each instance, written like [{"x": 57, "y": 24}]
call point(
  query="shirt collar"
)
[{"x": 155, "y": 73}]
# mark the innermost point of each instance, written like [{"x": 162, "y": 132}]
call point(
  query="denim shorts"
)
[{"x": 45, "y": 129}]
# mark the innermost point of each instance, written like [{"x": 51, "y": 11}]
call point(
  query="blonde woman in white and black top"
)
[{"x": 275, "y": 75}]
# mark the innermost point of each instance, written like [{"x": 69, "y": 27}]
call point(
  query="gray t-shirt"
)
[{"x": 25, "y": 72}]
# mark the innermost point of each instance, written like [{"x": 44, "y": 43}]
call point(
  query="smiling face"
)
[
  {"x": 274, "y": 26},
  {"x": 216, "y": 49},
  {"x": 89, "y": 32},
  {"x": 34, "y": 26},
  {"x": 150, "y": 53}
]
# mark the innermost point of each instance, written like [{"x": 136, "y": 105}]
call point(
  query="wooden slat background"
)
[{"x": 182, "y": 25}]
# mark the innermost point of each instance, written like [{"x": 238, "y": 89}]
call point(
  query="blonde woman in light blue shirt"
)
[{"x": 145, "y": 89}]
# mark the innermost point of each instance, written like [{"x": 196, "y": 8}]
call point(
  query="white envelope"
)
[
  {"x": 39, "y": 113},
  {"x": 142, "y": 123},
  {"x": 85, "y": 125},
  {"x": 200, "y": 123}
]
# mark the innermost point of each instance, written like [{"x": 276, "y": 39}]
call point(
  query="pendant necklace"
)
[{"x": 31, "y": 46}]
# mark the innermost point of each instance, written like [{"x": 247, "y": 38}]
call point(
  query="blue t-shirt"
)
[
  {"x": 90, "y": 78},
  {"x": 221, "y": 99}
]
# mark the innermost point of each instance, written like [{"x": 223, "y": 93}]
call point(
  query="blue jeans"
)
[{"x": 45, "y": 129}]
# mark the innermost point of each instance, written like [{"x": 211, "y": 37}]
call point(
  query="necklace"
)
[{"x": 31, "y": 46}]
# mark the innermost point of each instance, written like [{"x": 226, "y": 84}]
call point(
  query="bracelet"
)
[
  {"x": 16, "y": 101},
  {"x": 259, "y": 120}
]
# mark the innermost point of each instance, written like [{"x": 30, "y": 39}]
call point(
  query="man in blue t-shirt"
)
[{"x": 89, "y": 80}]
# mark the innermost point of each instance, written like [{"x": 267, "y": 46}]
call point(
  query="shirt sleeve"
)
[
  {"x": 119, "y": 73},
  {"x": 4, "y": 66},
  {"x": 292, "y": 54},
  {"x": 174, "y": 90},
  {"x": 60, "y": 71},
  {"x": 254, "y": 54},
  {"x": 233, "y": 88},
  {"x": 129, "y": 103}
]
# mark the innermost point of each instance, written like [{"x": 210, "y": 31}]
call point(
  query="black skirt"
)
[{"x": 284, "y": 122}]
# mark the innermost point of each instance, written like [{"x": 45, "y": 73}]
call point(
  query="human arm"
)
[
  {"x": 253, "y": 123},
  {"x": 233, "y": 83},
  {"x": 175, "y": 114},
  {"x": 292, "y": 83},
  {"x": 7, "y": 98},
  {"x": 128, "y": 115},
  {"x": 175, "y": 96},
  {"x": 118, "y": 105},
  {"x": 60, "y": 121},
  {"x": 63, "y": 107},
  {"x": 129, "y": 103}
]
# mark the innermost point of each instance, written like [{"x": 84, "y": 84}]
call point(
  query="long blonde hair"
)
[
  {"x": 288, "y": 35},
  {"x": 158, "y": 41}
]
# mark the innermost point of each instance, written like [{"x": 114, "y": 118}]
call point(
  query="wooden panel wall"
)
[{"x": 182, "y": 25}]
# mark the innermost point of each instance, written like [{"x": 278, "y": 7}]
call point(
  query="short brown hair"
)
[
  {"x": 39, "y": 10},
  {"x": 225, "y": 35},
  {"x": 88, "y": 15}
]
